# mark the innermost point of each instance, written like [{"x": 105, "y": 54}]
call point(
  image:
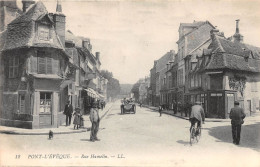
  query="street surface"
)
[{"x": 142, "y": 139}]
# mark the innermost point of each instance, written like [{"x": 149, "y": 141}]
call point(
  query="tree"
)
[
  {"x": 135, "y": 90},
  {"x": 113, "y": 85}
]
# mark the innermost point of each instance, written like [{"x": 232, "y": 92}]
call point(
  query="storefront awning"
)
[
  {"x": 101, "y": 96},
  {"x": 92, "y": 91}
]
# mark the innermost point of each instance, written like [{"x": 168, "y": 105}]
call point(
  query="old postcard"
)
[{"x": 130, "y": 83}]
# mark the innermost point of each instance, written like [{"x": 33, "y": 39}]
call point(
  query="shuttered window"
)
[
  {"x": 45, "y": 64},
  {"x": 49, "y": 65},
  {"x": 13, "y": 67}
]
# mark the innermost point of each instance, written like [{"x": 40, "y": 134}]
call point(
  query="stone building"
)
[
  {"x": 152, "y": 86},
  {"x": 226, "y": 71},
  {"x": 42, "y": 67},
  {"x": 35, "y": 64},
  {"x": 88, "y": 84},
  {"x": 191, "y": 36},
  {"x": 171, "y": 87}
]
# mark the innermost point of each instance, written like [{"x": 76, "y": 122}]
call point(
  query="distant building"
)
[{"x": 143, "y": 89}]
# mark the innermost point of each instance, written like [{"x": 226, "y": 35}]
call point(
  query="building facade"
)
[
  {"x": 42, "y": 67},
  {"x": 191, "y": 36},
  {"x": 35, "y": 64},
  {"x": 228, "y": 70}
]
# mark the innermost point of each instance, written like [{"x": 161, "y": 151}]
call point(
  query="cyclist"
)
[{"x": 197, "y": 115}]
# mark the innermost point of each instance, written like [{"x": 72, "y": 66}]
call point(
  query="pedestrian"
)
[
  {"x": 68, "y": 112},
  {"x": 160, "y": 110},
  {"x": 104, "y": 104},
  {"x": 197, "y": 115},
  {"x": 236, "y": 115},
  {"x": 174, "y": 107},
  {"x": 94, "y": 118},
  {"x": 76, "y": 120}
]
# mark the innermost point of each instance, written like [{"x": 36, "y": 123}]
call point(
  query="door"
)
[
  {"x": 45, "y": 115},
  {"x": 216, "y": 106}
]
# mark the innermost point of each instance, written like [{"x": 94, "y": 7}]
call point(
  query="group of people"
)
[
  {"x": 197, "y": 116},
  {"x": 236, "y": 115},
  {"x": 79, "y": 121}
]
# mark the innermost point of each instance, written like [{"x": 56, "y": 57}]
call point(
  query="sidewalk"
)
[
  {"x": 254, "y": 117},
  {"x": 61, "y": 130}
]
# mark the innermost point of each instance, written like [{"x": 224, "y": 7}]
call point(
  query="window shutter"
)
[
  {"x": 33, "y": 64},
  {"x": 41, "y": 65},
  {"x": 55, "y": 65},
  {"x": 49, "y": 65}
]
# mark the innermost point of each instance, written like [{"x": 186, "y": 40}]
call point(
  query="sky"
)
[{"x": 130, "y": 35}]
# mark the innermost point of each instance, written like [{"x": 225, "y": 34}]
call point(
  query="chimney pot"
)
[{"x": 27, "y": 4}]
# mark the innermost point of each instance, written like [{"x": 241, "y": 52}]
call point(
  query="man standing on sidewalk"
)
[
  {"x": 236, "y": 115},
  {"x": 94, "y": 118},
  {"x": 68, "y": 112}
]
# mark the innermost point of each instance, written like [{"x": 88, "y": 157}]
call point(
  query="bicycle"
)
[{"x": 195, "y": 134}]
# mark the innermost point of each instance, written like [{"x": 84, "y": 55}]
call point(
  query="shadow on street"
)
[
  {"x": 183, "y": 142},
  {"x": 250, "y": 135}
]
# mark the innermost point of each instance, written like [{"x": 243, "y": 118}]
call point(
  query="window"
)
[
  {"x": 13, "y": 67},
  {"x": 44, "y": 33},
  {"x": 21, "y": 103},
  {"x": 45, "y": 102},
  {"x": 45, "y": 64}
]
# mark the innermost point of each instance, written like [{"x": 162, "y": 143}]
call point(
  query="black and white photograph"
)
[{"x": 130, "y": 83}]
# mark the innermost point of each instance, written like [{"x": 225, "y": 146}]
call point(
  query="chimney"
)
[
  {"x": 213, "y": 32},
  {"x": 85, "y": 43},
  {"x": 237, "y": 36},
  {"x": 97, "y": 55},
  {"x": 59, "y": 23},
  {"x": 27, "y": 4}
]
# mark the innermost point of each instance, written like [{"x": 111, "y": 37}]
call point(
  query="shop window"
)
[
  {"x": 13, "y": 67},
  {"x": 45, "y": 102}
]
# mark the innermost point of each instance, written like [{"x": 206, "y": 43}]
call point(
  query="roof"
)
[
  {"x": 161, "y": 63},
  {"x": 195, "y": 25},
  {"x": 69, "y": 36},
  {"x": 2, "y": 39},
  {"x": 233, "y": 55},
  {"x": 21, "y": 31},
  {"x": 33, "y": 13},
  {"x": 233, "y": 62}
]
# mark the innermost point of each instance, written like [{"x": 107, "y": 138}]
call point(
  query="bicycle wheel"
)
[
  {"x": 198, "y": 135},
  {"x": 192, "y": 135}
]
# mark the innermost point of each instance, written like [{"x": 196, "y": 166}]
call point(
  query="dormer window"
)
[{"x": 44, "y": 32}]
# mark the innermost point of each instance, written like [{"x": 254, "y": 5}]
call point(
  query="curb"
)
[
  {"x": 206, "y": 120},
  {"x": 10, "y": 132}
]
